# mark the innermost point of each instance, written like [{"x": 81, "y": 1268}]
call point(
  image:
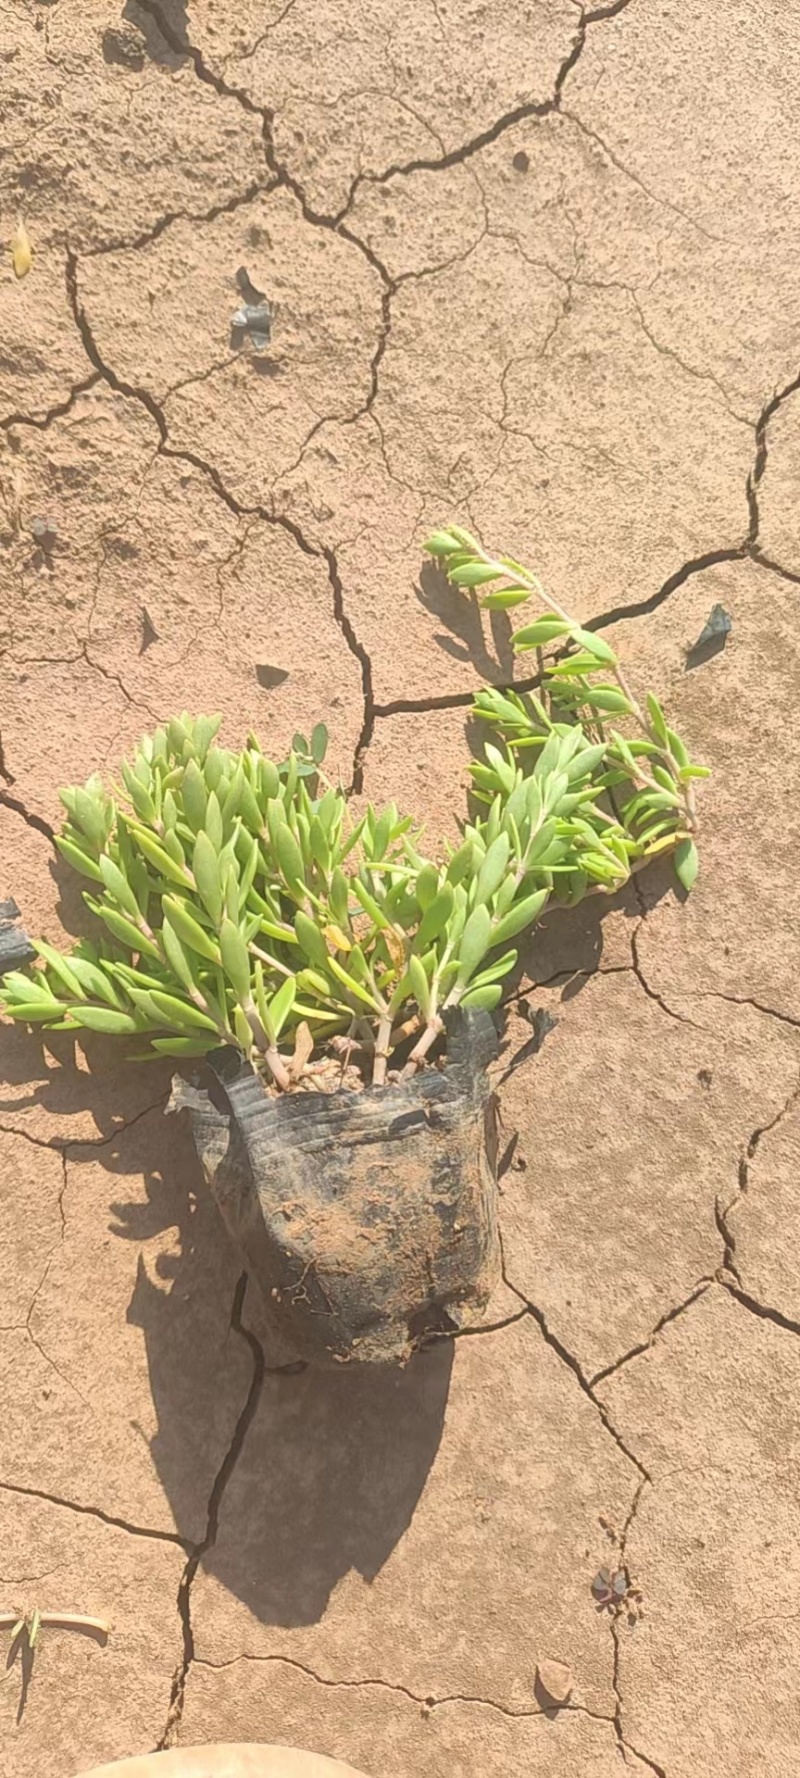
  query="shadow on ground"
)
[
  {"x": 463, "y": 637},
  {"x": 332, "y": 1464},
  {"x": 329, "y": 1466}
]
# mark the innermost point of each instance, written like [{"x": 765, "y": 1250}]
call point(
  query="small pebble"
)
[
  {"x": 521, "y": 161},
  {"x": 555, "y": 1680},
  {"x": 44, "y": 531}
]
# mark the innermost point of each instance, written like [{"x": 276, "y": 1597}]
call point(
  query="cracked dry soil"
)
[{"x": 536, "y": 266}]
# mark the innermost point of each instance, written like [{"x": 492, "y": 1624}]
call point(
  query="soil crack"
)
[
  {"x": 82, "y": 1142},
  {"x": 762, "y": 1310},
  {"x": 530, "y": 108},
  {"x": 95, "y": 1512},
  {"x": 573, "y": 1364},
  {"x": 723, "y": 1212},
  {"x": 240, "y": 510},
  {"x": 652, "y": 994},
  {"x": 257, "y": 188},
  {"x": 429, "y": 1703},
  {"x": 609, "y": 1370},
  {"x": 771, "y": 1012},
  {"x": 57, "y": 412},
  {"x": 616, "y": 1627},
  {"x": 221, "y": 1480}
]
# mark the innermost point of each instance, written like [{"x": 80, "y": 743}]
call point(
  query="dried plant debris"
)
[
  {"x": 614, "y": 1591},
  {"x": 21, "y": 251}
]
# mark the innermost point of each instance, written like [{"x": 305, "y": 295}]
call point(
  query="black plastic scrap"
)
[
  {"x": 15, "y": 946},
  {"x": 253, "y": 321},
  {"x": 543, "y": 1023},
  {"x": 712, "y": 638}
]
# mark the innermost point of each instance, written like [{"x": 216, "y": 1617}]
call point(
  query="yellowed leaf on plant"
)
[
  {"x": 21, "y": 251},
  {"x": 396, "y": 948},
  {"x": 336, "y": 939}
]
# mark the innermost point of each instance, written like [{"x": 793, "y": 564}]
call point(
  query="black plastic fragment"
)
[
  {"x": 253, "y": 321},
  {"x": 543, "y": 1023},
  {"x": 712, "y": 638},
  {"x": 367, "y": 1219},
  {"x": 16, "y": 949}
]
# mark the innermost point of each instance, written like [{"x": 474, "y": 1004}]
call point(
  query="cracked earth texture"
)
[{"x": 534, "y": 266}]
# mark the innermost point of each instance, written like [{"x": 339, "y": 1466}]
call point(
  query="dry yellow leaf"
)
[
  {"x": 303, "y": 1049},
  {"x": 397, "y": 951},
  {"x": 336, "y": 939},
  {"x": 21, "y": 251}
]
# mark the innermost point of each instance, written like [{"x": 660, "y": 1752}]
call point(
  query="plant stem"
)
[
  {"x": 382, "y": 1049},
  {"x": 278, "y": 1069},
  {"x": 264, "y": 956},
  {"x": 529, "y": 584},
  {"x": 432, "y": 1030},
  {"x": 268, "y": 1049}
]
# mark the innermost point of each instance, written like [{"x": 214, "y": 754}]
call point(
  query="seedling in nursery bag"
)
[{"x": 339, "y": 982}]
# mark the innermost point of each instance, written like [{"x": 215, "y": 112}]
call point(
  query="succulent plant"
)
[{"x": 237, "y": 902}]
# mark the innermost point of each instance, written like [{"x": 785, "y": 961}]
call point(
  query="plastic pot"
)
[
  {"x": 241, "y": 1759},
  {"x": 16, "y": 949},
  {"x": 368, "y": 1219}
]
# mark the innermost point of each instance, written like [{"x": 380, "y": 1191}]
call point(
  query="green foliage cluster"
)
[{"x": 237, "y": 902}]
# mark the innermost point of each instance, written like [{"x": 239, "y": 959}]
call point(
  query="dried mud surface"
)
[{"x": 535, "y": 266}]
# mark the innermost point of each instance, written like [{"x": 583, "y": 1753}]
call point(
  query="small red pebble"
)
[{"x": 555, "y": 1680}]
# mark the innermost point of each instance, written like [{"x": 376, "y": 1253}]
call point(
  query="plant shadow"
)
[
  {"x": 329, "y": 1465},
  {"x": 333, "y": 1463},
  {"x": 460, "y": 612},
  {"x": 328, "y": 1481}
]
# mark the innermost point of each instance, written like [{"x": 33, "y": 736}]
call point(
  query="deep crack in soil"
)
[{"x": 221, "y": 1480}]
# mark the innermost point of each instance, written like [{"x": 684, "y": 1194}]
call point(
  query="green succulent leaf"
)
[
  {"x": 104, "y": 1018},
  {"x": 235, "y": 959},
  {"x": 78, "y": 858},
  {"x": 474, "y": 943},
  {"x": 687, "y": 863},
  {"x": 189, "y": 930},
  {"x": 281, "y": 1004},
  {"x": 440, "y": 543},
  {"x": 596, "y": 646},
  {"x": 546, "y": 629},
  {"x": 487, "y": 997}
]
